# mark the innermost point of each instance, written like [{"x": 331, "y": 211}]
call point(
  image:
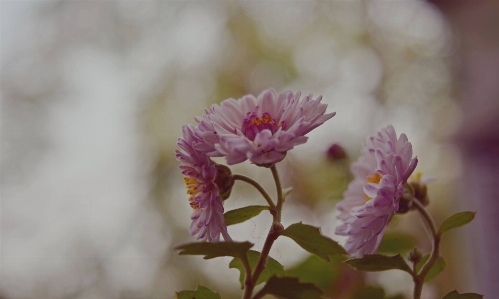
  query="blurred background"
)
[{"x": 94, "y": 94}]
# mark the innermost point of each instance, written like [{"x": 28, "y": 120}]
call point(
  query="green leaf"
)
[
  {"x": 456, "y": 220},
  {"x": 240, "y": 215},
  {"x": 318, "y": 271},
  {"x": 273, "y": 267},
  {"x": 437, "y": 268},
  {"x": 215, "y": 249},
  {"x": 369, "y": 292},
  {"x": 393, "y": 243},
  {"x": 200, "y": 293},
  {"x": 455, "y": 295},
  {"x": 311, "y": 239},
  {"x": 291, "y": 288},
  {"x": 378, "y": 262}
]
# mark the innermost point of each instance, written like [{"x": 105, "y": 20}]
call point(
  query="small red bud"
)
[{"x": 336, "y": 152}]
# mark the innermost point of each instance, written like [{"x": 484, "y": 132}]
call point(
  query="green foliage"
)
[
  {"x": 318, "y": 271},
  {"x": 378, "y": 262},
  {"x": 290, "y": 288},
  {"x": 216, "y": 249},
  {"x": 394, "y": 243},
  {"x": 200, "y": 293},
  {"x": 370, "y": 292},
  {"x": 240, "y": 215},
  {"x": 273, "y": 267},
  {"x": 456, "y": 220},
  {"x": 437, "y": 268},
  {"x": 311, "y": 239},
  {"x": 455, "y": 295}
]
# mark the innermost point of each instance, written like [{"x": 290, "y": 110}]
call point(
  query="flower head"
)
[
  {"x": 200, "y": 176},
  {"x": 373, "y": 196},
  {"x": 261, "y": 129}
]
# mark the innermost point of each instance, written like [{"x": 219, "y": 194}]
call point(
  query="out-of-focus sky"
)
[{"x": 94, "y": 95}]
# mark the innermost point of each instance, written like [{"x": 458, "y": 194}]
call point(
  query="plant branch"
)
[
  {"x": 280, "y": 199},
  {"x": 264, "y": 193},
  {"x": 274, "y": 232},
  {"x": 435, "y": 252},
  {"x": 247, "y": 283}
]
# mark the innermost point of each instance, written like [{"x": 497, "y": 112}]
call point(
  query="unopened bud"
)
[
  {"x": 224, "y": 181},
  {"x": 336, "y": 152},
  {"x": 414, "y": 255},
  {"x": 420, "y": 192},
  {"x": 405, "y": 202}
]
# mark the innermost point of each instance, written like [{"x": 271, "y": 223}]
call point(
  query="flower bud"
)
[
  {"x": 420, "y": 192},
  {"x": 405, "y": 202},
  {"x": 224, "y": 181},
  {"x": 414, "y": 255},
  {"x": 336, "y": 152}
]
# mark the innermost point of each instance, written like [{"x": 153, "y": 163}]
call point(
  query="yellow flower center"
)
[
  {"x": 266, "y": 119},
  {"x": 416, "y": 177},
  {"x": 374, "y": 178},
  {"x": 191, "y": 184}
]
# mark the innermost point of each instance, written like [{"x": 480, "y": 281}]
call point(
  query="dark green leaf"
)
[
  {"x": 311, "y": 239},
  {"x": 378, "y": 262},
  {"x": 273, "y": 267},
  {"x": 456, "y": 295},
  {"x": 291, "y": 288},
  {"x": 369, "y": 292},
  {"x": 215, "y": 249},
  {"x": 456, "y": 220},
  {"x": 200, "y": 293},
  {"x": 437, "y": 268},
  {"x": 318, "y": 271},
  {"x": 240, "y": 215},
  {"x": 393, "y": 243}
]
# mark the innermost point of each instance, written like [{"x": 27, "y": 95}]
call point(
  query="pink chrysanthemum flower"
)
[
  {"x": 261, "y": 129},
  {"x": 204, "y": 194},
  {"x": 373, "y": 196}
]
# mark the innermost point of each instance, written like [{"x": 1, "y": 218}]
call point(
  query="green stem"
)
[
  {"x": 419, "y": 278},
  {"x": 248, "y": 284},
  {"x": 280, "y": 198},
  {"x": 269, "y": 241},
  {"x": 264, "y": 193}
]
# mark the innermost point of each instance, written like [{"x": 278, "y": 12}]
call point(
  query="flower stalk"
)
[
  {"x": 275, "y": 229},
  {"x": 435, "y": 252},
  {"x": 250, "y": 181}
]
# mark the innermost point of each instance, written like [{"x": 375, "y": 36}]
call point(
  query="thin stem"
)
[
  {"x": 419, "y": 279},
  {"x": 262, "y": 261},
  {"x": 248, "y": 284},
  {"x": 274, "y": 232},
  {"x": 280, "y": 199},
  {"x": 426, "y": 216},
  {"x": 264, "y": 193}
]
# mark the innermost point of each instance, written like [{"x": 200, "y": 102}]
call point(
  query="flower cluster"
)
[
  {"x": 260, "y": 129},
  {"x": 373, "y": 196}
]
